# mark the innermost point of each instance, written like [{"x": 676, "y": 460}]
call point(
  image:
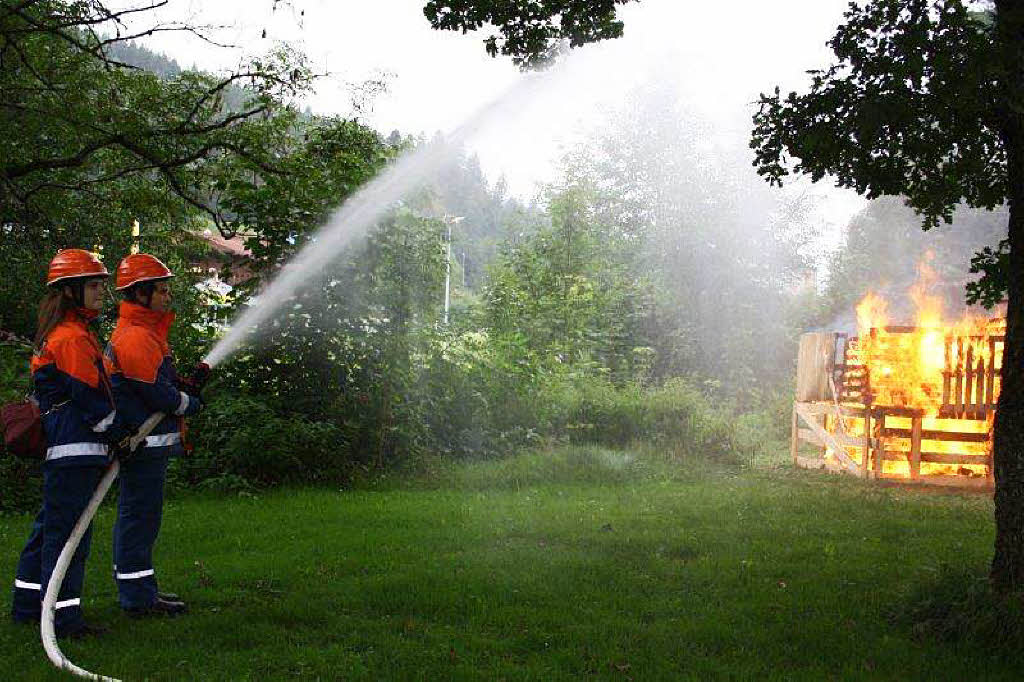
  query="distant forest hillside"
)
[
  {"x": 488, "y": 213},
  {"x": 136, "y": 55}
]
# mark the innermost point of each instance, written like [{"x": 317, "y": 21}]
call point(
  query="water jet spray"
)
[{"x": 369, "y": 204}]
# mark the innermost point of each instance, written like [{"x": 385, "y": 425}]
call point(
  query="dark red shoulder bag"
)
[{"x": 23, "y": 429}]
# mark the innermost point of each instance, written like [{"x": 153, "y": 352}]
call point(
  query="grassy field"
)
[{"x": 577, "y": 564}]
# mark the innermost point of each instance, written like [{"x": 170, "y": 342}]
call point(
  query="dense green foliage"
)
[
  {"x": 580, "y": 563},
  {"x": 87, "y": 145},
  {"x": 531, "y": 32},
  {"x": 572, "y": 289},
  {"x": 592, "y": 315},
  {"x": 578, "y": 319}
]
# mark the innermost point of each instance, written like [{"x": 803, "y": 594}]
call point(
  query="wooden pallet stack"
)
[{"x": 837, "y": 410}]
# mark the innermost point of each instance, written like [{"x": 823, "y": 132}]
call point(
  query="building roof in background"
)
[{"x": 231, "y": 247}]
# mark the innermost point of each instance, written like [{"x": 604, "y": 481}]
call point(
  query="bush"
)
[
  {"x": 674, "y": 416},
  {"x": 461, "y": 402},
  {"x": 21, "y": 484},
  {"x": 466, "y": 401},
  {"x": 241, "y": 442},
  {"x": 475, "y": 405}
]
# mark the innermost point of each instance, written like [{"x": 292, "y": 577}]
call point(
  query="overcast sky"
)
[{"x": 721, "y": 54}]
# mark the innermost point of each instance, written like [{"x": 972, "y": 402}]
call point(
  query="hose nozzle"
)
[{"x": 201, "y": 374}]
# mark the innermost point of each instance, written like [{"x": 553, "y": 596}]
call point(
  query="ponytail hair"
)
[{"x": 52, "y": 310}]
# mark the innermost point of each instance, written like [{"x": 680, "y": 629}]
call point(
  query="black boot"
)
[
  {"x": 166, "y": 596},
  {"x": 160, "y": 607}
]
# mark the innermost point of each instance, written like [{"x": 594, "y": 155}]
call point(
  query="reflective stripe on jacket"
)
[
  {"x": 72, "y": 389},
  {"x": 142, "y": 372}
]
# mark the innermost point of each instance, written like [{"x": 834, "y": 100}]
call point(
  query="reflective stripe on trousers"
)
[
  {"x": 36, "y": 587},
  {"x": 76, "y": 450},
  {"x": 136, "y": 575}
]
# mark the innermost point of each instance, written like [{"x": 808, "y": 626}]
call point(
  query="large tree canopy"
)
[
  {"x": 89, "y": 142},
  {"x": 531, "y": 32},
  {"x": 926, "y": 101},
  {"x": 907, "y": 109},
  {"x": 74, "y": 120}
]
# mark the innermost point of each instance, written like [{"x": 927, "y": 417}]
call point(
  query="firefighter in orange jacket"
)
[
  {"x": 78, "y": 418},
  {"x": 144, "y": 380}
]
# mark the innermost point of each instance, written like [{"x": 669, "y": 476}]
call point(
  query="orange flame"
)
[
  {"x": 907, "y": 365},
  {"x": 945, "y": 370}
]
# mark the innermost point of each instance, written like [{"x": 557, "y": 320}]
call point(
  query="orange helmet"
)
[
  {"x": 140, "y": 267},
  {"x": 74, "y": 263}
]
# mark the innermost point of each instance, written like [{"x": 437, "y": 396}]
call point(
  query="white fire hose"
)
[{"x": 46, "y": 627}]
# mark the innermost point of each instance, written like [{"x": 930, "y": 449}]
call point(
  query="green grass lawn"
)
[{"x": 582, "y": 563}]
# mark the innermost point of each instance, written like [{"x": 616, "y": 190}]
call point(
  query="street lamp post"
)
[{"x": 449, "y": 220}]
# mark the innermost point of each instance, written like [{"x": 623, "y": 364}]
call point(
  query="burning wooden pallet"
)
[{"x": 908, "y": 403}]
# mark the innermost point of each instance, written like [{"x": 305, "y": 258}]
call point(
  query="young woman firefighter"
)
[
  {"x": 144, "y": 379},
  {"x": 78, "y": 419}
]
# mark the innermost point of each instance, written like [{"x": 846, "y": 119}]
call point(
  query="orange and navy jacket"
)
[
  {"x": 74, "y": 394},
  {"x": 142, "y": 372}
]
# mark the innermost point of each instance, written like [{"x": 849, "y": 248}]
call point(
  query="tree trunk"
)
[{"x": 1007, "y": 572}]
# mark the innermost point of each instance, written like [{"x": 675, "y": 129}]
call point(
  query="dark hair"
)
[
  {"x": 55, "y": 305},
  {"x": 52, "y": 309},
  {"x": 141, "y": 293}
]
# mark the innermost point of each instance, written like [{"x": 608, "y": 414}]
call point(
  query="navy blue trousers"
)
[
  {"x": 66, "y": 492},
  {"x": 139, "y": 511}
]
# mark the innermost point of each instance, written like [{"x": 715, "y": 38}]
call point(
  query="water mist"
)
[{"x": 368, "y": 205}]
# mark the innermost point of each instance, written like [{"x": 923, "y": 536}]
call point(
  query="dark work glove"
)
[
  {"x": 119, "y": 435},
  {"x": 193, "y": 382},
  {"x": 121, "y": 450}
]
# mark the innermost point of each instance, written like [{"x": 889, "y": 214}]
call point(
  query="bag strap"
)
[
  {"x": 32, "y": 375},
  {"x": 104, "y": 381}
]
